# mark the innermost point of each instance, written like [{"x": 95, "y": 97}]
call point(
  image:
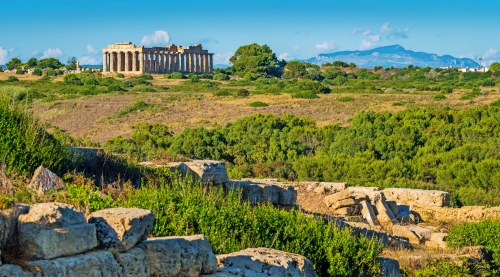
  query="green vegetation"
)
[
  {"x": 255, "y": 59},
  {"x": 346, "y": 99},
  {"x": 138, "y": 106},
  {"x": 258, "y": 104},
  {"x": 485, "y": 233},
  {"x": 439, "y": 97}
]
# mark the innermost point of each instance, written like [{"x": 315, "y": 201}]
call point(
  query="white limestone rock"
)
[
  {"x": 120, "y": 229},
  {"x": 10, "y": 270},
  {"x": 134, "y": 262},
  {"x": 179, "y": 256},
  {"x": 206, "y": 171},
  {"x": 264, "y": 262},
  {"x": 435, "y": 198},
  {"x": 52, "y": 230},
  {"x": 44, "y": 180}
]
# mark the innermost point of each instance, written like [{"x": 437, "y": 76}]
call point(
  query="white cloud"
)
[
  {"x": 325, "y": 46},
  {"x": 159, "y": 37},
  {"x": 35, "y": 53},
  {"x": 372, "y": 38},
  {"x": 492, "y": 53},
  {"x": 3, "y": 55},
  {"x": 222, "y": 58},
  {"x": 296, "y": 48},
  {"x": 91, "y": 49},
  {"x": 89, "y": 60},
  {"x": 52, "y": 53},
  {"x": 285, "y": 56}
]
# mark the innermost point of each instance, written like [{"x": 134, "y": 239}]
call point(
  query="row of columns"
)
[{"x": 157, "y": 62}]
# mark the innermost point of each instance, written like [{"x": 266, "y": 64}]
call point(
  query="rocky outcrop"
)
[
  {"x": 44, "y": 180},
  {"x": 264, "y": 262},
  {"x": 120, "y": 229},
  {"x": 421, "y": 197},
  {"x": 52, "y": 230},
  {"x": 467, "y": 213}
]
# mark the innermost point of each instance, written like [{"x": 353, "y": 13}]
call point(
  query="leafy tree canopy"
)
[
  {"x": 49, "y": 63},
  {"x": 12, "y": 64},
  {"x": 494, "y": 67},
  {"x": 255, "y": 59}
]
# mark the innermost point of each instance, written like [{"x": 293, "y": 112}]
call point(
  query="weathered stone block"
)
[
  {"x": 343, "y": 203},
  {"x": 364, "y": 190},
  {"x": 251, "y": 191},
  {"x": 418, "y": 196},
  {"x": 52, "y": 230},
  {"x": 389, "y": 267},
  {"x": 344, "y": 211},
  {"x": 264, "y": 262},
  {"x": 179, "y": 256},
  {"x": 10, "y": 270},
  {"x": 336, "y": 197},
  {"x": 367, "y": 212},
  {"x": 44, "y": 180},
  {"x": 404, "y": 231},
  {"x": 96, "y": 263},
  {"x": 437, "y": 240},
  {"x": 422, "y": 232},
  {"x": 122, "y": 228},
  {"x": 206, "y": 171},
  {"x": 334, "y": 186},
  {"x": 134, "y": 262},
  {"x": 385, "y": 217}
]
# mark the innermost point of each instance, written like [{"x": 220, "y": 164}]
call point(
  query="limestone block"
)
[
  {"x": 319, "y": 190},
  {"x": 334, "y": 186},
  {"x": 264, "y": 262},
  {"x": 52, "y": 230},
  {"x": 206, "y": 171},
  {"x": 422, "y": 232},
  {"x": 344, "y": 211},
  {"x": 437, "y": 240},
  {"x": 44, "y": 180},
  {"x": 343, "y": 203},
  {"x": 251, "y": 191},
  {"x": 404, "y": 231},
  {"x": 418, "y": 196},
  {"x": 122, "y": 228},
  {"x": 367, "y": 212},
  {"x": 287, "y": 195},
  {"x": 10, "y": 270},
  {"x": 179, "y": 256},
  {"x": 393, "y": 206},
  {"x": 270, "y": 193},
  {"x": 134, "y": 262},
  {"x": 389, "y": 267},
  {"x": 365, "y": 190},
  {"x": 92, "y": 264},
  {"x": 361, "y": 197},
  {"x": 385, "y": 217},
  {"x": 336, "y": 197}
]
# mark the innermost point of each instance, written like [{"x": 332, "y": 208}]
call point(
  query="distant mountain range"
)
[{"x": 393, "y": 55}]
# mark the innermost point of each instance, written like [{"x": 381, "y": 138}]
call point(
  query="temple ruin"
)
[{"x": 127, "y": 58}]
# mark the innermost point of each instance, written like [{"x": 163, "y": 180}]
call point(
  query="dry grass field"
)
[{"x": 91, "y": 117}]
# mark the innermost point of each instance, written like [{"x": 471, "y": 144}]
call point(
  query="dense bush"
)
[
  {"x": 439, "y": 97},
  {"x": 25, "y": 145},
  {"x": 220, "y": 77},
  {"x": 222, "y": 92},
  {"x": 176, "y": 75},
  {"x": 120, "y": 75},
  {"x": 306, "y": 94},
  {"x": 12, "y": 79},
  {"x": 243, "y": 92},
  {"x": 258, "y": 104},
  {"x": 37, "y": 72},
  {"x": 19, "y": 72}
]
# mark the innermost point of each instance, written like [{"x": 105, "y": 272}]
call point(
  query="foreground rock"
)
[
  {"x": 179, "y": 256},
  {"x": 9, "y": 270},
  {"x": 264, "y": 262},
  {"x": 422, "y": 197},
  {"x": 44, "y": 180},
  {"x": 389, "y": 267},
  {"x": 52, "y": 230},
  {"x": 120, "y": 229}
]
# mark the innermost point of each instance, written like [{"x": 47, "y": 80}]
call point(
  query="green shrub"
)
[
  {"x": 345, "y": 99},
  {"x": 25, "y": 145},
  {"x": 120, "y": 75},
  {"x": 258, "y": 104},
  {"x": 397, "y": 104},
  {"x": 439, "y": 97},
  {"x": 37, "y": 72},
  {"x": 12, "y": 79},
  {"x": 145, "y": 77},
  {"x": 243, "y": 92},
  {"x": 114, "y": 87},
  {"x": 19, "y": 72},
  {"x": 306, "y": 94},
  {"x": 485, "y": 233},
  {"x": 220, "y": 77},
  {"x": 72, "y": 79},
  {"x": 167, "y": 76},
  {"x": 177, "y": 75},
  {"x": 194, "y": 78},
  {"x": 223, "y": 92},
  {"x": 495, "y": 103},
  {"x": 148, "y": 89}
]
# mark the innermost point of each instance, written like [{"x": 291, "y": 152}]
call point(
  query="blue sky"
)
[{"x": 293, "y": 29}]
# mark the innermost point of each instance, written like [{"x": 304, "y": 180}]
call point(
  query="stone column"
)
[
  {"x": 134, "y": 61},
  {"x": 119, "y": 63},
  {"x": 104, "y": 62},
  {"x": 127, "y": 62},
  {"x": 161, "y": 61},
  {"x": 202, "y": 63},
  {"x": 146, "y": 62},
  {"x": 207, "y": 70},
  {"x": 181, "y": 61},
  {"x": 211, "y": 69},
  {"x": 191, "y": 62},
  {"x": 111, "y": 62},
  {"x": 141, "y": 62}
]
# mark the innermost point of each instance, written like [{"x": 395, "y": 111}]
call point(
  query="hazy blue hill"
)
[
  {"x": 223, "y": 66},
  {"x": 392, "y": 55}
]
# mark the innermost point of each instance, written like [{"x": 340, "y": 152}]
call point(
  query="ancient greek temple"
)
[{"x": 125, "y": 57}]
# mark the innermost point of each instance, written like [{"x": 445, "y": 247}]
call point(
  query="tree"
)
[
  {"x": 32, "y": 62},
  {"x": 12, "y": 64},
  {"x": 49, "y": 62},
  {"x": 295, "y": 70},
  {"x": 71, "y": 63},
  {"x": 254, "y": 59},
  {"x": 494, "y": 67}
]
